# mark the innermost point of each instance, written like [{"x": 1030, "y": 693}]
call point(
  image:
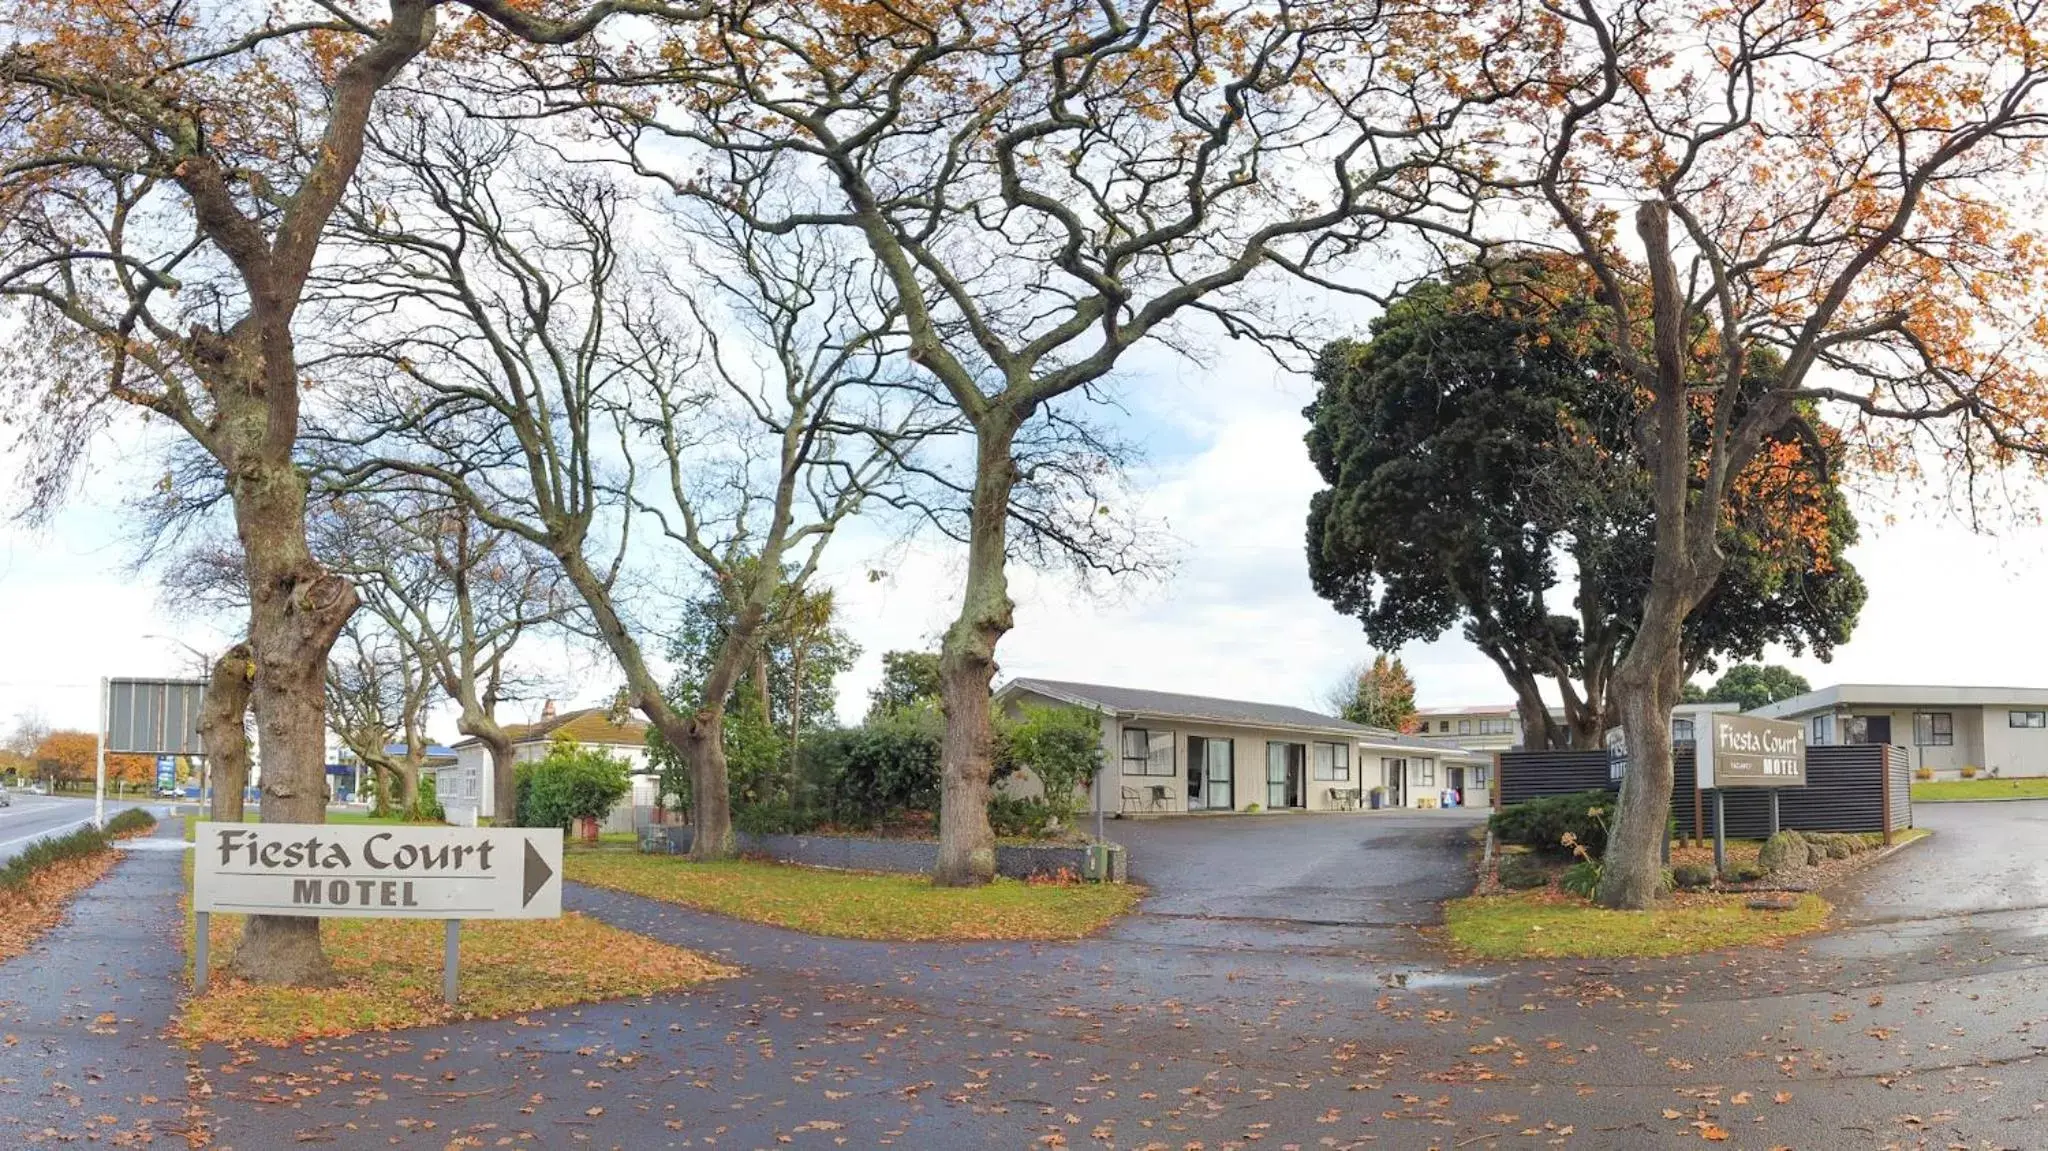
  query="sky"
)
[{"x": 1227, "y": 483}]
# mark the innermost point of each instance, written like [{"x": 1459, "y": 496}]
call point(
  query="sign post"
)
[
  {"x": 380, "y": 872},
  {"x": 1744, "y": 751}
]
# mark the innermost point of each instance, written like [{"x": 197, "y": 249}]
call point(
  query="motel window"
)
[
  {"x": 1821, "y": 729},
  {"x": 2026, "y": 719},
  {"x": 1332, "y": 761},
  {"x": 1147, "y": 752},
  {"x": 1478, "y": 775},
  {"x": 1465, "y": 726},
  {"x": 1428, "y": 767},
  {"x": 1681, "y": 731},
  {"x": 1934, "y": 728},
  {"x": 1442, "y": 726},
  {"x": 1496, "y": 727}
]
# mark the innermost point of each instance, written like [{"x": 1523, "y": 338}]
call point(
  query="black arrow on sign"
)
[{"x": 537, "y": 873}]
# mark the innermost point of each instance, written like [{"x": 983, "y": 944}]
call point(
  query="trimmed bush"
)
[
  {"x": 1009, "y": 815},
  {"x": 1924, "y": 773},
  {"x": 866, "y": 776},
  {"x": 1784, "y": 851},
  {"x": 1517, "y": 874},
  {"x": 1690, "y": 876},
  {"x": 572, "y": 782},
  {"x": 16, "y": 873},
  {"x": 131, "y": 821},
  {"x": 1542, "y": 823},
  {"x": 1969, "y": 773},
  {"x": 1060, "y": 746}
]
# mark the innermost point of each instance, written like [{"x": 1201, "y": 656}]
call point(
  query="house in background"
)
[
  {"x": 1165, "y": 752},
  {"x": 345, "y": 772},
  {"x": 1999, "y": 729},
  {"x": 464, "y": 790},
  {"x": 1499, "y": 728}
]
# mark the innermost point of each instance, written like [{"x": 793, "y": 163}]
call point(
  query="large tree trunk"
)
[
  {"x": 967, "y": 664},
  {"x": 1646, "y": 684},
  {"x": 297, "y": 609},
  {"x": 504, "y": 782},
  {"x": 703, "y": 748},
  {"x": 224, "y": 733}
]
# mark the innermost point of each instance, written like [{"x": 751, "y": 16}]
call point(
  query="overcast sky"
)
[{"x": 1227, "y": 479}]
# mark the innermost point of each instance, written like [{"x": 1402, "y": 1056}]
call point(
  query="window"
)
[
  {"x": 1465, "y": 726},
  {"x": 1496, "y": 727},
  {"x": 1681, "y": 731},
  {"x": 1332, "y": 761},
  {"x": 1147, "y": 752},
  {"x": 1478, "y": 777},
  {"x": 1934, "y": 728},
  {"x": 1423, "y": 772},
  {"x": 1442, "y": 726},
  {"x": 2026, "y": 719},
  {"x": 1821, "y": 729}
]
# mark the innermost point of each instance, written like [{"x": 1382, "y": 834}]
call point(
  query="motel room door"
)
[
  {"x": 1286, "y": 775},
  {"x": 1397, "y": 781},
  {"x": 1212, "y": 767}
]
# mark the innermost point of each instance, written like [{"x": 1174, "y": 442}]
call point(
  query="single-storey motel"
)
[
  {"x": 1170, "y": 753},
  {"x": 1944, "y": 729}
]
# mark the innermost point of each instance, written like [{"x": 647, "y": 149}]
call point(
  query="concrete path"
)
[{"x": 82, "y": 1014}]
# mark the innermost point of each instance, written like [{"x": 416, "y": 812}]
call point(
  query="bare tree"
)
[
  {"x": 166, "y": 178},
  {"x": 743, "y": 410},
  {"x": 1047, "y": 188},
  {"x": 377, "y": 699}
]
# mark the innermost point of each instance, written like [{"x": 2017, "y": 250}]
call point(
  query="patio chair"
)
[{"x": 1131, "y": 799}]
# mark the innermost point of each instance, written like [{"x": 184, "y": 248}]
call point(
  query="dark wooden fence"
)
[{"x": 1849, "y": 787}]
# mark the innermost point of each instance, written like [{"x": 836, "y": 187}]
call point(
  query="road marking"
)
[{"x": 61, "y": 829}]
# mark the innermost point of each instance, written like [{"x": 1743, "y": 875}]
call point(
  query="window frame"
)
[
  {"x": 2026, "y": 719},
  {"x": 1144, "y": 763},
  {"x": 1339, "y": 768},
  {"x": 1932, "y": 737},
  {"x": 1428, "y": 771}
]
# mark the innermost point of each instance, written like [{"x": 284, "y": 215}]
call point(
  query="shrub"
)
[
  {"x": 131, "y": 821},
  {"x": 572, "y": 782},
  {"x": 1689, "y": 876},
  {"x": 1924, "y": 773},
  {"x": 772, "y": 819},
  {"x": 1743, "y": 873},
  {"x": 1061, "y": 746},
  {"x": 16, "y": 873},
  {"x": 864, "y": 776},
  {"x": 1543, "y": 823},
  {"x": 1517, "y": 874},
  {"x": 1582, "y": 878},
  {"x": 1969, "y": 772},
  {"x": 426, "y": 803},
  {"x": 1009, "y": 815}
]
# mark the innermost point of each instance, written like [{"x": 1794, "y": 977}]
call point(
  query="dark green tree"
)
[
  {"x": 800, "y": 658},
  {"x": 909, "y": 679},
  {"x": 1480, "y": 450},
  {"x": 1753, "y": 685}
]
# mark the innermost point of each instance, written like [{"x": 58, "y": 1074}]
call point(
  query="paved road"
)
[
  {"x": 32, "y": 817},
  {"x": 1991, "y": 857},
  {"x": 1899, "y": 1031}
]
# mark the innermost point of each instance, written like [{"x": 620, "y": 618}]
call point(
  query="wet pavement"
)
[
  {"x": 1895, "y": 1032},
  {"x": 82, "y": 1013}
]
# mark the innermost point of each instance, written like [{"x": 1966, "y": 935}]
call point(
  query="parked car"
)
[
  {"x": 4, "y": 801},
  {"x": 169, "y": 793}
]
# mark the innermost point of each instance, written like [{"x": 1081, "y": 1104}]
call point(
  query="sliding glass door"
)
[
  {"x": 1212, "y": 770},
  {"x": 1286, "y": 765}
]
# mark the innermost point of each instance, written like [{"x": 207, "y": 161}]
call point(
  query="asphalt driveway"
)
[
  {"x": 1339, "y": 870},
  {"x": 1984, "y": 858}
]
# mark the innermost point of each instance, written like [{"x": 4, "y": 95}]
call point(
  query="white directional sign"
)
[{"x": 398, "y": 871}]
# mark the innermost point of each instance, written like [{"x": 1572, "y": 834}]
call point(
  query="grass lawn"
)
[
  {"x": 857, "y": 904},
  {"x": 1547, "y": 925},
  {"x": 1948, "y": 790}
]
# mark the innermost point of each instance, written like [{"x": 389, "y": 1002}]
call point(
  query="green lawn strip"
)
[
  {"x": 1547, "y": 925},
  {"x": 857, "y": 904},
  {"x": 391, "y": 975},
  {"x": 1956, "y": 790}
]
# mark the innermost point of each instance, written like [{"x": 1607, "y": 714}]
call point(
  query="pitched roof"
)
[
  {"x": 1174, "y": 705},
  {"x": 590, "y": 725}
]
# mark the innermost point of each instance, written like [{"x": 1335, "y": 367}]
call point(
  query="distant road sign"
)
[
  {"x": 1744, "y": 751},
  {"x": 154, "y": 716},
  {"x": 166, "y": 771},
  {"x": 372, "y": 871}
]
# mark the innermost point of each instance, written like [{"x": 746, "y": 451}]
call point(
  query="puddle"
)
[{"x": 1433, "y": 980}]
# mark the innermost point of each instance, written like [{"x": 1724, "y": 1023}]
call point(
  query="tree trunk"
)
[
  {"x": 967, "y": 664},
  {"x": 296, "y": 610},
  {"x": 504, "y": 782},
  {"x": 224, "y": 733},
  {"x": 796, "y": 711},
  {"x": 703, "y": 748},
  {"x": 1646, "y": 684}
]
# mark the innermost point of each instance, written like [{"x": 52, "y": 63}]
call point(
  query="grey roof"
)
[{"x": 1174, "y": 705}]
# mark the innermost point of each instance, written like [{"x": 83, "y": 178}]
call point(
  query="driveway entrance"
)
[{"x": 1364, "y": 869}]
